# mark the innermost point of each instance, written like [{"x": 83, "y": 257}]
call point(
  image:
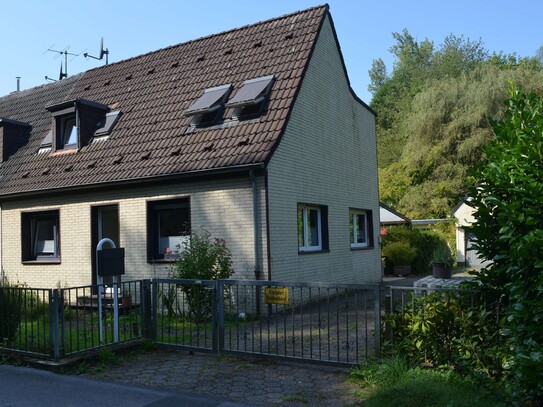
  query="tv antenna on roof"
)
[
  {"x": 101, "y": 53},
  {"x": 60, "y": 53}
]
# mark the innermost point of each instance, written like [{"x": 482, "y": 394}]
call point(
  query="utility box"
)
[{"x": 110, "y": 262}]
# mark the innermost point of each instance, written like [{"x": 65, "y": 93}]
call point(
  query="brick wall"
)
[
  {"x": 224, "y": 207},
  {"x": 328, "y": 156}
]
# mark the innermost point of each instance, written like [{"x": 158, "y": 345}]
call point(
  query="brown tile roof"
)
[{"x": 152, "y": 91}]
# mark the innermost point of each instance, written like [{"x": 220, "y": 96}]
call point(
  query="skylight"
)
[
  {"x": 211, "y": 100},
  {"x": 106, "y": 125},
  {"x": 208, "y": 107},
  {"x": 251, "y": 98}
]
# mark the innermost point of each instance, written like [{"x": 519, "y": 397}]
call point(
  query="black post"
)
[{"x": 146, "y": 307}]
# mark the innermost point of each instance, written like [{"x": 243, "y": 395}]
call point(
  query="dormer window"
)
[
  {"x": 74, "y": 124},
  {"x": 68, "y": 132},
  {"x": 250, "y": 101},
  {"x": 12, "y": 134},
  {"x": 208, "y": 108}
]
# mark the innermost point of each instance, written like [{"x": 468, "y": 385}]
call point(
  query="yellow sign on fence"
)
[{"x": 276, "y": 295}]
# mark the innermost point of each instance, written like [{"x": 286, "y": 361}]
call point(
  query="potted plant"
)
[
  {"x": 442, "y": 262},
  {"x": 401, "y": 254}
]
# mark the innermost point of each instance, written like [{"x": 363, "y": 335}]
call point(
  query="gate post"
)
[
  {"x": 218, "y": 317},
  {"x": 54, "y": 323},
  {"x": 377, "y": 311},
  {"x": 146, "y": 308}
]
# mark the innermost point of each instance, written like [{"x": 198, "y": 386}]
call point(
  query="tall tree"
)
[{"x": 432, "y": 121}]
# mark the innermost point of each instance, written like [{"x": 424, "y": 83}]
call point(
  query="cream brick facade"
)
[
  {"x": 224, "y": 207},
  {"x": 328, "y": 157}
]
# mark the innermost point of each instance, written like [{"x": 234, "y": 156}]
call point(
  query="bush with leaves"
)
[
  {"x": 11, "y": 307},
  {"x": 203, "y": 258},
  {"x": 424, "y": 241},
  {"x": 509, "y": 229},
  {"x": 448, "y": 329}
]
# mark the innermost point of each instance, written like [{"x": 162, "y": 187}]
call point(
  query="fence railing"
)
[
  {"x": 310, "y": 321},
  {"x": 55, "y": 323},
  {"x": 324, "y": 322},
  {"x": 26, "y": 317}
]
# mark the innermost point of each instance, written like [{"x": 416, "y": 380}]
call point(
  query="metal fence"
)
[
  {"x": 333, "y": 323},
  {"x": 309, "y": 321},
  {"x": 55, "y": 323}
]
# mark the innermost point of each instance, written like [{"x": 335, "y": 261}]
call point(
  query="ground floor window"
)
[
  {"x": 312, "y": 228},
  {"x": 360, "y": 222},
  {"x": 168, "y": 228},
  {"x": 40, "y": 236}
]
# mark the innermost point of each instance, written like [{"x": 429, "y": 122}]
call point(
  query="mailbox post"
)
[{"x": 109, "y": 263}]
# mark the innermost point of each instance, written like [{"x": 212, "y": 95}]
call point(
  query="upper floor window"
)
[
  {"x": 312, "y": 228},
  {"x": 360, "y": 228}
]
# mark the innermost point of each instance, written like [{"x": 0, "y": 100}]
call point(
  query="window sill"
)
[
  {"x": 356, "y": 248},
  {"x": 313, "y": 251},
  {"x": 160, "y": 261},
  {"x": 41, "y": 261}
]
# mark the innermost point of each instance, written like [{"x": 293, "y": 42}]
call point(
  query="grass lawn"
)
[{"x": 394, "y": 383}]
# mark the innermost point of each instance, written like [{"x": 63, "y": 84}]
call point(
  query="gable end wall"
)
[{"x": 327, "y": 156}]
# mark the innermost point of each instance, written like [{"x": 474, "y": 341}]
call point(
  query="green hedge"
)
[{"x": 424, "y": 241}]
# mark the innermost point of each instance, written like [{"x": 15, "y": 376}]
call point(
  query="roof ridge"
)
[{"x": 324, "y": 6}]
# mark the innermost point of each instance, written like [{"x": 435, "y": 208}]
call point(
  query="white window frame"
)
[
  {"x": 353, "y": 215},
  {"x": 305, "y": 230}
]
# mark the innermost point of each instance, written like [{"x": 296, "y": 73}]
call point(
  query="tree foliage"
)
[
  {"x": 509, "y": 228},
  {"x": 432, "y": 117}
]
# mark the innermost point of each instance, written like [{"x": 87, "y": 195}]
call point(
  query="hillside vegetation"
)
[{"x": 433, "y": 117}]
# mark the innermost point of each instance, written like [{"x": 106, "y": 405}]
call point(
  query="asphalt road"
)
[{"x": 25, "y": 387}]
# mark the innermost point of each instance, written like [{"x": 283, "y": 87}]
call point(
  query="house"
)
[
  {"x": 389, "y": 216},
  {"x": 253, "y": 134},
  {"x": 465, "y": 255}
]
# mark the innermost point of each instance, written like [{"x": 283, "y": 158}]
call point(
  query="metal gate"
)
[{"x": 324, "y": 322}]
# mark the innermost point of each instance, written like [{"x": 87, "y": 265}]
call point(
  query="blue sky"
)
[{"x": 135, "y": 27}]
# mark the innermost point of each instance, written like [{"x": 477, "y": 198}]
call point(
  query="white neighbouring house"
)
[
  {"x": 254, "y": 134},
  {"x": 465, "y": 255}
]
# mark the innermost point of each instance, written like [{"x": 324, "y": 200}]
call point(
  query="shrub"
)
[
  {"x": 11, "y": 305},
  {"x": 202, "y": 259},
  {"x": 424, "y": 241},
  {"x": 400, "y": 253},
  {"x": 507, "y": 196},
  {"x": 449, "y": 329}
]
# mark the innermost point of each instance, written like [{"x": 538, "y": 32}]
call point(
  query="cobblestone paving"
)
[{"x": 255, "y": 382}]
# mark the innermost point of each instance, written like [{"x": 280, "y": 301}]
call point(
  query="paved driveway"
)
[{"x": 251, "y": 381}]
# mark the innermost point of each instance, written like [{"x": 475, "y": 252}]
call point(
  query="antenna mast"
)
[{"x": 60, "y": 54}]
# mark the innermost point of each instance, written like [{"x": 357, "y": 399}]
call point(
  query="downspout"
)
[
  {"x": 255, "y": 239},
  {"x": 257, "y": 270},
  {"x": 2, "y": 275}
]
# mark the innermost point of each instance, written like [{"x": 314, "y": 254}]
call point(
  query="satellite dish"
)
[
  {"x": 101, "y": 53},
  {"x": 101, "y": 48}
]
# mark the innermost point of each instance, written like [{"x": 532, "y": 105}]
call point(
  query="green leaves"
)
[{"x": 510, "y": 231}]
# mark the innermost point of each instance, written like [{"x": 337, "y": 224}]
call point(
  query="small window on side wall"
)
[
  {"x": 40, "y": 236},
  {"x": 168, "y": 228},
  {"x": 312, "y": 228},
  {"x": 360, "y": 225}
]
